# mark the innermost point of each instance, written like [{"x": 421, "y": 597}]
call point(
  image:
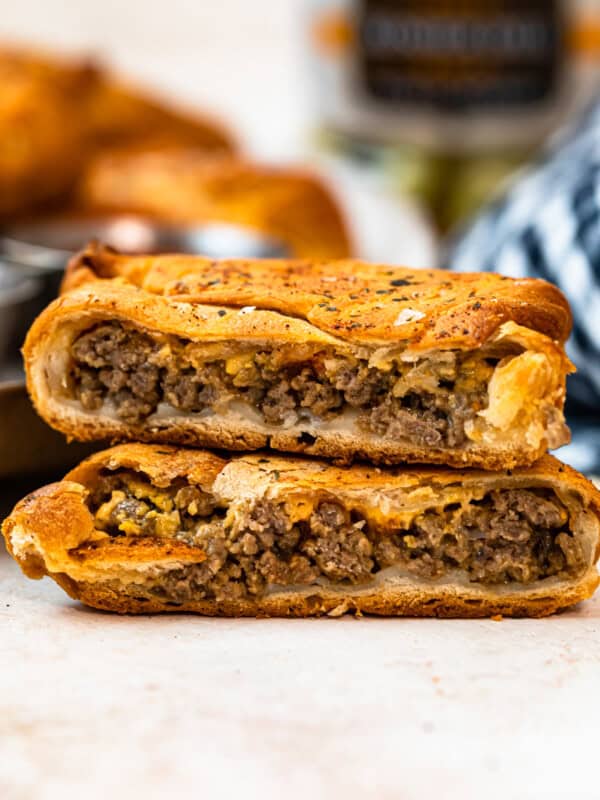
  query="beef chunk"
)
[
  {"x": 423, "y": 426},
  {"x": 190, "y": 390},
  {"x": 319, "y": 397},
  {"x": 121, "y": 358},
  {"x": 361, "y": 385},
  {"x": 279, "y": 404},
  {"x": 341, "y": 550}
]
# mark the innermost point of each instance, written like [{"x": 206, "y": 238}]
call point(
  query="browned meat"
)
[
  {"x": 190, "y": 390},
  {"x": 279, "y": 404},
  {"x": 511, "y": 535},
  {"x": 421, "y": 425},
  {"x": 361, "y": 385},
  {"x": 115, "y": 361},
  {"x": 125, "y": 366},
  {"x": 340, "y": 549}
]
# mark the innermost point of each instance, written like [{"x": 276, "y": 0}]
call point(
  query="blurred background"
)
[
  {"x": 465, "y": 135},
  {"x": 237, "y": 59}
]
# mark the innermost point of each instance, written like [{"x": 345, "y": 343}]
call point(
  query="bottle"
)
[{"x": 448, "y": 98}]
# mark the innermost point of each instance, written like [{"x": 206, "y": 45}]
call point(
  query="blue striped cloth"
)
[{"x": 547, "y": 225}]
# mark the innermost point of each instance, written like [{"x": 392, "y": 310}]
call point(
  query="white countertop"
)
[{"x": 99, "y": 706}]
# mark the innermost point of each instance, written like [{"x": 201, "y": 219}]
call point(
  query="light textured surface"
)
[{"x": 101, "y": 706}]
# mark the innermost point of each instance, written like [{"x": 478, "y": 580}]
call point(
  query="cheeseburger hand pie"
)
[
  {"x": 338, "y": 359},
  {"x": 142, "y": 528}
]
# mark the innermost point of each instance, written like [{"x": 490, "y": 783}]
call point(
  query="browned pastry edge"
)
[
  {"x": 341, "y": 451},
  {"x": 348, "y": 299},
  {"x": 429, "y": 602}
]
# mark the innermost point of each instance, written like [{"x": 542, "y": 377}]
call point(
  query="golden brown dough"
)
[
  {"x": 140, "y": 528},
  {"x": 459, "y": 309},
  {"x": 339, "y": 359},
  {"x": 189, "y": 186}
]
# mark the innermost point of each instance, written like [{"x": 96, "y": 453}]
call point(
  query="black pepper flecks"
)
[
  {"x": 221, "y": 312},
  {"x": 400, "y": 282},
  {"x": 476, "y": 306}
]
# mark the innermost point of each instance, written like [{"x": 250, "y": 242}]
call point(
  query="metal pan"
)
[{"x": 45, "y": 246}]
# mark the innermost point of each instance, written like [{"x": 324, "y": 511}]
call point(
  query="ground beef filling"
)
[
  {"x": 428, "y": 402},
  {"x": 509, "y": 536}
]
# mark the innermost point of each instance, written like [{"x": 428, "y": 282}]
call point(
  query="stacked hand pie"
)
[{"x": 338, "y": 361}]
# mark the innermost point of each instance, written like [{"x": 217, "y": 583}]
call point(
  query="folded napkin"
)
[{"x": 547, "y": 225}]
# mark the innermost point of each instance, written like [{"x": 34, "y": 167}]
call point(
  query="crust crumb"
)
[{"x": 339, "y": 610}]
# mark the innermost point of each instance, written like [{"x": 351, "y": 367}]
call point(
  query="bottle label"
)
[{"x": 459, "y": 56}]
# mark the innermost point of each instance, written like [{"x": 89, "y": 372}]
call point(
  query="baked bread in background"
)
[
  {"x": 58, "y": 112},
  {"x": 331, "y": 358},
  {"x": 76, "y": 139},
  {"x": 192, "y": 186},
  {"x": 122, "y": 116},
  {"x": 141, "y": 529},
  {"x": 43, "y": 133}
]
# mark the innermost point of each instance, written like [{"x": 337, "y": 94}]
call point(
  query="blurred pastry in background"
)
[
  {"x": 120, "y": 115},
  {"x": 56, "y": 113},
  {"x": 188, "y": 186},
  {"x": 42, "y": 132}
]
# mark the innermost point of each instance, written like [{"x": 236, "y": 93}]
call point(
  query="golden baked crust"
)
[
  {"x": 348, "y": 299},
  {"x": 189, "y": 186},
  {"x": 289, "y": 303},
  {"x": 52, "y": 532}
]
